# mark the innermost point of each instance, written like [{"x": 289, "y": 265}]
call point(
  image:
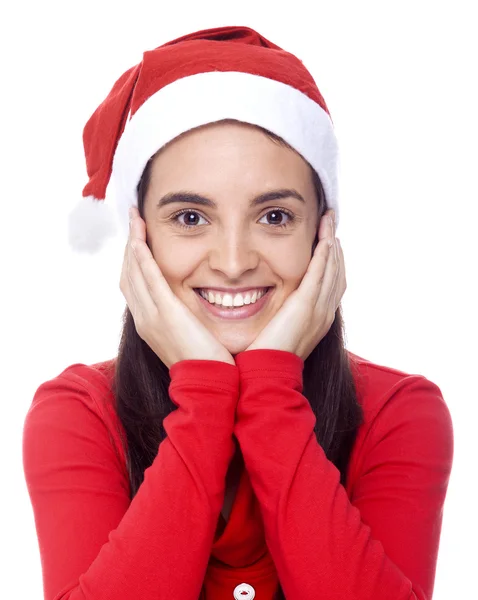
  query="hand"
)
[
  {"x": 309, "y": 311},
  {"x": 164, "y": 322}
]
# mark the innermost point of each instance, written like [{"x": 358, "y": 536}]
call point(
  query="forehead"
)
[{"x": 229, "y": 154}]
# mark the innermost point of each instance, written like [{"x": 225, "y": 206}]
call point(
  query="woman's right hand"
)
[{"x": 165, "y": 323}]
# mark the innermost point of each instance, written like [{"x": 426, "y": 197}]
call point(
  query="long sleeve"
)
[
  {"x": 381, "y": 543},
  {"x": 97, "y": 544}
]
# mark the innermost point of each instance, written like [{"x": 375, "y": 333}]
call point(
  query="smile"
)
[{"x": 236, "y": 312}]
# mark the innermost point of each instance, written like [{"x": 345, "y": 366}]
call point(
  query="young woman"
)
[{"x": 234, "y": 448}]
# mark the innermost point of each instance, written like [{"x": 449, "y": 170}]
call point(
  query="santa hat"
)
[{"x": 200, "y": 78}]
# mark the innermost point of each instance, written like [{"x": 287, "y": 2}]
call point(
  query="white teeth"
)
[
  {"x": 238, "y": 300},
  {"x": 228, "y": 300}
]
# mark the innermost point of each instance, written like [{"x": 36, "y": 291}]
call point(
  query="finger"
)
[
  {"x": 329, "y": 279},
  {"x": 151, "y": 276},
  {"x": 328, "y": 282},
  {"x": 125, "y": 286},
  {"x": 125, "y": 265},
  {"x": 134, "y": 287},
  {"x": 313, "y": 278},
  {"x": 141, "y": 295},
  {"x": 331, "y": 300},
  {"x": 326, "y": 228},
  {"x": 342, "y": 282}
]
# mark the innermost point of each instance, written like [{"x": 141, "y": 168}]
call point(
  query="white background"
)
[{"x": 400, "y": 82}]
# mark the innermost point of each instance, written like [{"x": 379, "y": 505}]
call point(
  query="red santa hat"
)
[{"x": 200, "y": 78}]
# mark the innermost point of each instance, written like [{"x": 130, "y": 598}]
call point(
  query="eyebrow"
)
[{"x": 193, "y": 198}]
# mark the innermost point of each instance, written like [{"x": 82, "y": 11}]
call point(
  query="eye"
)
[
  {"x": 276, "y": 213},
  {"x": 189, "y": 223}
]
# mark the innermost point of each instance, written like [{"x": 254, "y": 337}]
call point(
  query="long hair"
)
[{"x": 141, "y": 384}]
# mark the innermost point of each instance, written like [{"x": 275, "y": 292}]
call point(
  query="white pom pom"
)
[{"x": 90, "y": 223}]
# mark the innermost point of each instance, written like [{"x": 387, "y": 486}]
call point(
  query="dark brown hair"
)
[{"x": 142, "y": 381}]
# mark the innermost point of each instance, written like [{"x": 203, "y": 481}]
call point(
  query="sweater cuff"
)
[
  {"x": 210, "y": 372},
  {"x": 265, "y": 362}
]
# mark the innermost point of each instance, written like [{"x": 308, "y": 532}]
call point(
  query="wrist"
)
[{"x": 266, "y": 361}]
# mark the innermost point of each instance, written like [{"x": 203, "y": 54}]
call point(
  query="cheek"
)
[
  {"x": 173, "y": 264},
  {"x": 291, "y": 266}
]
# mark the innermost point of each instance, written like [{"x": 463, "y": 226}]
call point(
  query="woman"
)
[{"x": 234, "y": 448}]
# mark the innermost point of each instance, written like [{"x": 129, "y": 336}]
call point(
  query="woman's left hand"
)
[{"x": 309, "y": 311}]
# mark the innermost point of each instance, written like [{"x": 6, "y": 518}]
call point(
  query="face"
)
[{"x": 230, "y": 237}]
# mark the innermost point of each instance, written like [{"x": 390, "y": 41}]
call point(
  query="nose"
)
[{"x": 233, "y": 254}]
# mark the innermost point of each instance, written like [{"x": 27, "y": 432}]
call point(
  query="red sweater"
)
[{"x": 291, "y": 521}]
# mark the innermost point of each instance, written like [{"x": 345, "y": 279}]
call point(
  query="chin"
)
[
  {"x": 237, "y": 347},
  {"x": 235, "y": 343}
]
